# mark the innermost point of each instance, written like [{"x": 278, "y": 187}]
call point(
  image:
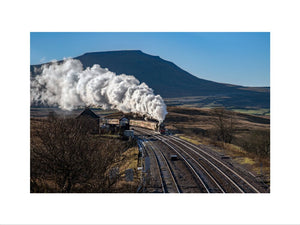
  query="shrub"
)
[
  {"x": 65, "y": 157},
  {"x": 258, "y": 142}
]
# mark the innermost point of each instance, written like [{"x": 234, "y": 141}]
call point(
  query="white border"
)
[{"x": 19, "y": 18}]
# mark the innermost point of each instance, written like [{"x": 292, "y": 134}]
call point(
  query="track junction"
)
[{"x": 173, "y": 165}]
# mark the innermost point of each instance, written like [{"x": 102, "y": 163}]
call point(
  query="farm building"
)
[{"x": 90, "y": 120}]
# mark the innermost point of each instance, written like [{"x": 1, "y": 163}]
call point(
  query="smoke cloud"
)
[{"x": 68, "y": 86}]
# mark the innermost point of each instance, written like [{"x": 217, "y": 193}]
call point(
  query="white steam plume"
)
[{"x": 68, "y": 86}]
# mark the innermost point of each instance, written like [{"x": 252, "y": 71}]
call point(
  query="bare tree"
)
[
  {"x": 224, "y": 124},
  {"x": 64, "y": 152}
]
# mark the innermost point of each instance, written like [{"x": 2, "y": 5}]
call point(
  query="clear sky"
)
[{"x": 241, "y": 58}]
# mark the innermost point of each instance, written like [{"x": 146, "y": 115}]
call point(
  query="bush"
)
[
  {"x": 65, "y": 157},
  {"x": 258, "y": 142}
]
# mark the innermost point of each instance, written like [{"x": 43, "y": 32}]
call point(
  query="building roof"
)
[{"x": 89, "y": 113}]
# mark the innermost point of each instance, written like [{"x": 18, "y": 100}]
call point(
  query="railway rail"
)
[
  {"x": 206, "y": 179},
  {"x": 186, "y": 180},
  {"x": 167, "y": 180},
  {"x": 195, "y": 181},
  {"x": 155, "y": 180},
  {"x": 215, "y": 175}
]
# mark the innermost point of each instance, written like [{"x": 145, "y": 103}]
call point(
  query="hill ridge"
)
[{"x": 171, "y": 81}]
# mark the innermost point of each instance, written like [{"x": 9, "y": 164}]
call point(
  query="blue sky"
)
[{"x": 238, "y": 58}]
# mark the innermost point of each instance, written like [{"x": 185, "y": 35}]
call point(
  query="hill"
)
[{"x": 173, "y": 83}]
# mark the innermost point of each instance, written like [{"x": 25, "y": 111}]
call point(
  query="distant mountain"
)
[{"x": 170, "y": 81}]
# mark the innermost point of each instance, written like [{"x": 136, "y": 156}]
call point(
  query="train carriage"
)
[
  {"x": 146, "y": 124},
  {"x": 151, "y": 125}
]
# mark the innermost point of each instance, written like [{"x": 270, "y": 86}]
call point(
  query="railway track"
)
[
  {"x": 216, "y": 176},
  {"x": 152, "y": 179},
  {"x": 236, "y": 179},
  {"x": 206, "y": 179},
  {"x": 188, "y": 178},
  {"x": 182, "y": 173},
  {"x": 167, "y": 181}
]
